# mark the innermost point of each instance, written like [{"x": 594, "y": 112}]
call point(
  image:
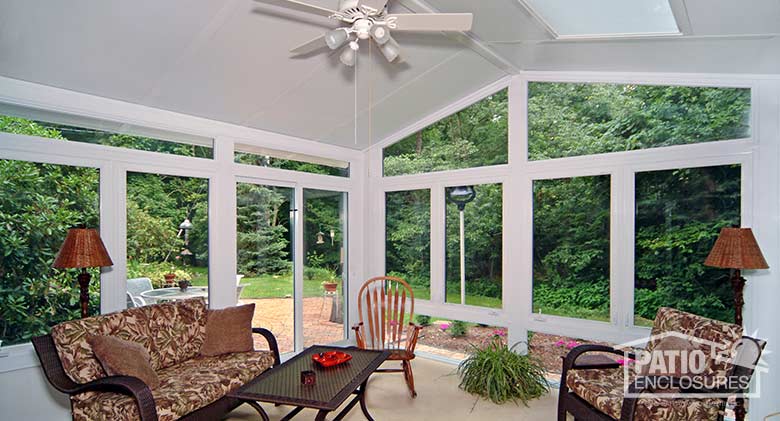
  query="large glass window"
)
[
  {"x": 53, "y": 125},
  {"x": 473, "y": 137},
  {"x": 167, "y": 238},
  {"x": 325, "y": 266},
  {"x": 265, "y": 233},
  {"x": 679, "y": 214},
  {"x": 264, "y": 157},
  {"x": 571, "y": 247},
  {"x": 408, "y": 239},
  {"x": 574, "y": 119},
  {"x": 38, "y": 203},
  {"x": 481, "y": 238}
]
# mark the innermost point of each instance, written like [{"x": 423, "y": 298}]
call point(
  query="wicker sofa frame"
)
[
  {"x": 132, "y": 386},
  {"x": 569, "y": 402}
]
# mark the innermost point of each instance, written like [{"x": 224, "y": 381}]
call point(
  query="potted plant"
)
[
  {"x": 330, "y": 285},
  {"x": 170, "y": 279},
  {"x": 496, "y": 372}
]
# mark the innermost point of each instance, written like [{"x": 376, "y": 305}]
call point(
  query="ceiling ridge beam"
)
[{"x": 365, "y": 110}]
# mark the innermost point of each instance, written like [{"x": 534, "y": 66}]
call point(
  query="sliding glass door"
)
[{"x": 295, "y": 277}]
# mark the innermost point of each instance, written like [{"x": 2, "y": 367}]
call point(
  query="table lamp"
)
[{"x": 82, "y": 249}]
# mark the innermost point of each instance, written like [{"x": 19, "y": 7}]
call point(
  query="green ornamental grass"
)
[{"x": 496, "y": 372}]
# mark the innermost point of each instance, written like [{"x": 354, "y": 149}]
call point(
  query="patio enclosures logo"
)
[{"x": 675, "y": 365}]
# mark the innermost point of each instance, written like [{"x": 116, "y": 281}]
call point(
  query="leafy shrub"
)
[
  {"x": 458, "y": 329},
  {"x": 318, "y": 274},
  {"x": 496, "y": 372},
  {"x": 156, "y": 272},
  {"x": 423, "y": 320}
]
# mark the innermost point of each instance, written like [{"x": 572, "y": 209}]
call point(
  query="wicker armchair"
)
[
  {"x": 592, "y": 385},
  {"x": 384, "y": 301}
]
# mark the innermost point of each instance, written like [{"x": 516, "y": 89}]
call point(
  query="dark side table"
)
[{"x": 282, "y": 385}]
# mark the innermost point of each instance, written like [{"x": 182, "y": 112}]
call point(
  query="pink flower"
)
[
  {"x": 571, "y": 344},
  {"x": 560, "y": 343},
  {"x": 444, "y": 326},
  {"x": 393, "y": 323},
  {"x": 499, "y": 332}
]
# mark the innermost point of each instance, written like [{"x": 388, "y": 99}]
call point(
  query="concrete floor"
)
[{"x": 439, "y": 398}]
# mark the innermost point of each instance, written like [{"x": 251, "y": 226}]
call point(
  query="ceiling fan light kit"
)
[{"x": 370, "y": 20}]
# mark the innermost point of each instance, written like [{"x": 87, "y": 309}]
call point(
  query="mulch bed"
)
[{"x": 549, "y": 349}]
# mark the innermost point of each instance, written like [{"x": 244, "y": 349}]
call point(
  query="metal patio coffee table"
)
[{"x": 282, "y": 385}]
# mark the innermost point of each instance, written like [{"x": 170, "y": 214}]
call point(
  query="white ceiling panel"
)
[
  {"x": 229, "y": 60},
  {"x": 729, "y": 17},
  {"x": 109, "y": 48},
  {"x": 427, "y": 94}
]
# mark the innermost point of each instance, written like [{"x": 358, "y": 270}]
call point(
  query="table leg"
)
[
  {"x": 363, "y": 407},
  {"x": 259, "y": 409},
  {"x": 321, "y": 415}
]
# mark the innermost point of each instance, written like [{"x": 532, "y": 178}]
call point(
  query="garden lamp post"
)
[{"x": 460, "y": 196}]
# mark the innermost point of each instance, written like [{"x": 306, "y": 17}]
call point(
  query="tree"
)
[{"x": 263, "y": 230}]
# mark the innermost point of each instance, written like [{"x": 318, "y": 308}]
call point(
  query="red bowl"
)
[{"x": 331, "y": 358}]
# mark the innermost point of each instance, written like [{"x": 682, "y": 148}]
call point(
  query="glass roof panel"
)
[{"x": 595, "y": 18}]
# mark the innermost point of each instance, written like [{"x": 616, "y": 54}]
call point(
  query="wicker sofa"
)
[{"x": 192, "y": 386}]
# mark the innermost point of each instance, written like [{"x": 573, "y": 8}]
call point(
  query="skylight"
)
[{"x": 606, "y": 18}]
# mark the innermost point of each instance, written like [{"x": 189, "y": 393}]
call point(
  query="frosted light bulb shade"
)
[
  {"x": 336, "y": 38},
  {"x": 390, "y": 50},
  {"x": 380, "y": 33},
  {"x": 348, "y": 56}
]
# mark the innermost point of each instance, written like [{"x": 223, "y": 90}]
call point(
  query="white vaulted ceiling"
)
[{"x": 229, "y": 61}]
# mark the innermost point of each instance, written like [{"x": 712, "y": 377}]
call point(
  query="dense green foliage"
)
[
  {"x": 571, "y": 119},
  {"x": 38, "y": 204},
  {"x": 496, "y": 372},
  {"x": 473, "y": 137}
]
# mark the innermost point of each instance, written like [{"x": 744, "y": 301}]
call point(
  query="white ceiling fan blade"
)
[
  {"x": 310, "y": 46},
  {"x": 430, "y": 21},
  {"x": 378, "y": 5},
  {"x": 301, "y": 6}
]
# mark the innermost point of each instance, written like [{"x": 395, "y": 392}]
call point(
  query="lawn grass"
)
[
  {"x": 264, "y": 286},
  {"x": 423, "y": 293}
]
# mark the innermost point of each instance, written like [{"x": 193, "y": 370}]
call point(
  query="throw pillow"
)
[
  {"x": 124, "y": 358},
  {"x": 228, "y": 330},
  {"x": 667, "y": 358}
]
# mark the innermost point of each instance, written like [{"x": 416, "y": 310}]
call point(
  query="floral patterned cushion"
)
[
  {"x": 179, "y": 329},
  {"x": 184, "y": 388},
  {"x": 603, "y": 389},
  {"x": 171, "y": 333},
  {"x": 712, "y": 331}
]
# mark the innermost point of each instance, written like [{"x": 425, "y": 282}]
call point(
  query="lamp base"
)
[
  {"x": 737, "y": 286},
  {"x": 83, "y": 280}
]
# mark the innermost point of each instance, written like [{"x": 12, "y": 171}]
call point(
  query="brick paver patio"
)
[{"x": 276, "y": 315}]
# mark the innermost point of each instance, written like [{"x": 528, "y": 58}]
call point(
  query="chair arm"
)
[
  {"x": 570, "y": 360},
  {"x": 359, "y": 337},
  {"x": 413, "y": 333},
  {"x": 127, "y": 385},
  {"x": 272, "y": 344}
]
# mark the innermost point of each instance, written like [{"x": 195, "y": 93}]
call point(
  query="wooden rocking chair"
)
[{"x": 384, "y": 300}]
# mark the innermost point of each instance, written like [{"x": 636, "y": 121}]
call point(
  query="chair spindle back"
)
[{"x": 382, "y": 307}]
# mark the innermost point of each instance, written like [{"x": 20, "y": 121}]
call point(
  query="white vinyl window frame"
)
[
  {"x": 517, "y": 178},
  {"x": 221, "y": 172}
]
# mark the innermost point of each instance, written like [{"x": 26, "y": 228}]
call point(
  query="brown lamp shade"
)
[
  {"x": 82, "y": 248},
  {"x": 736, "y": 248}
]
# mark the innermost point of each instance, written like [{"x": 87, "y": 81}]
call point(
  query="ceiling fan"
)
[{"x": 370, "y": 19}]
